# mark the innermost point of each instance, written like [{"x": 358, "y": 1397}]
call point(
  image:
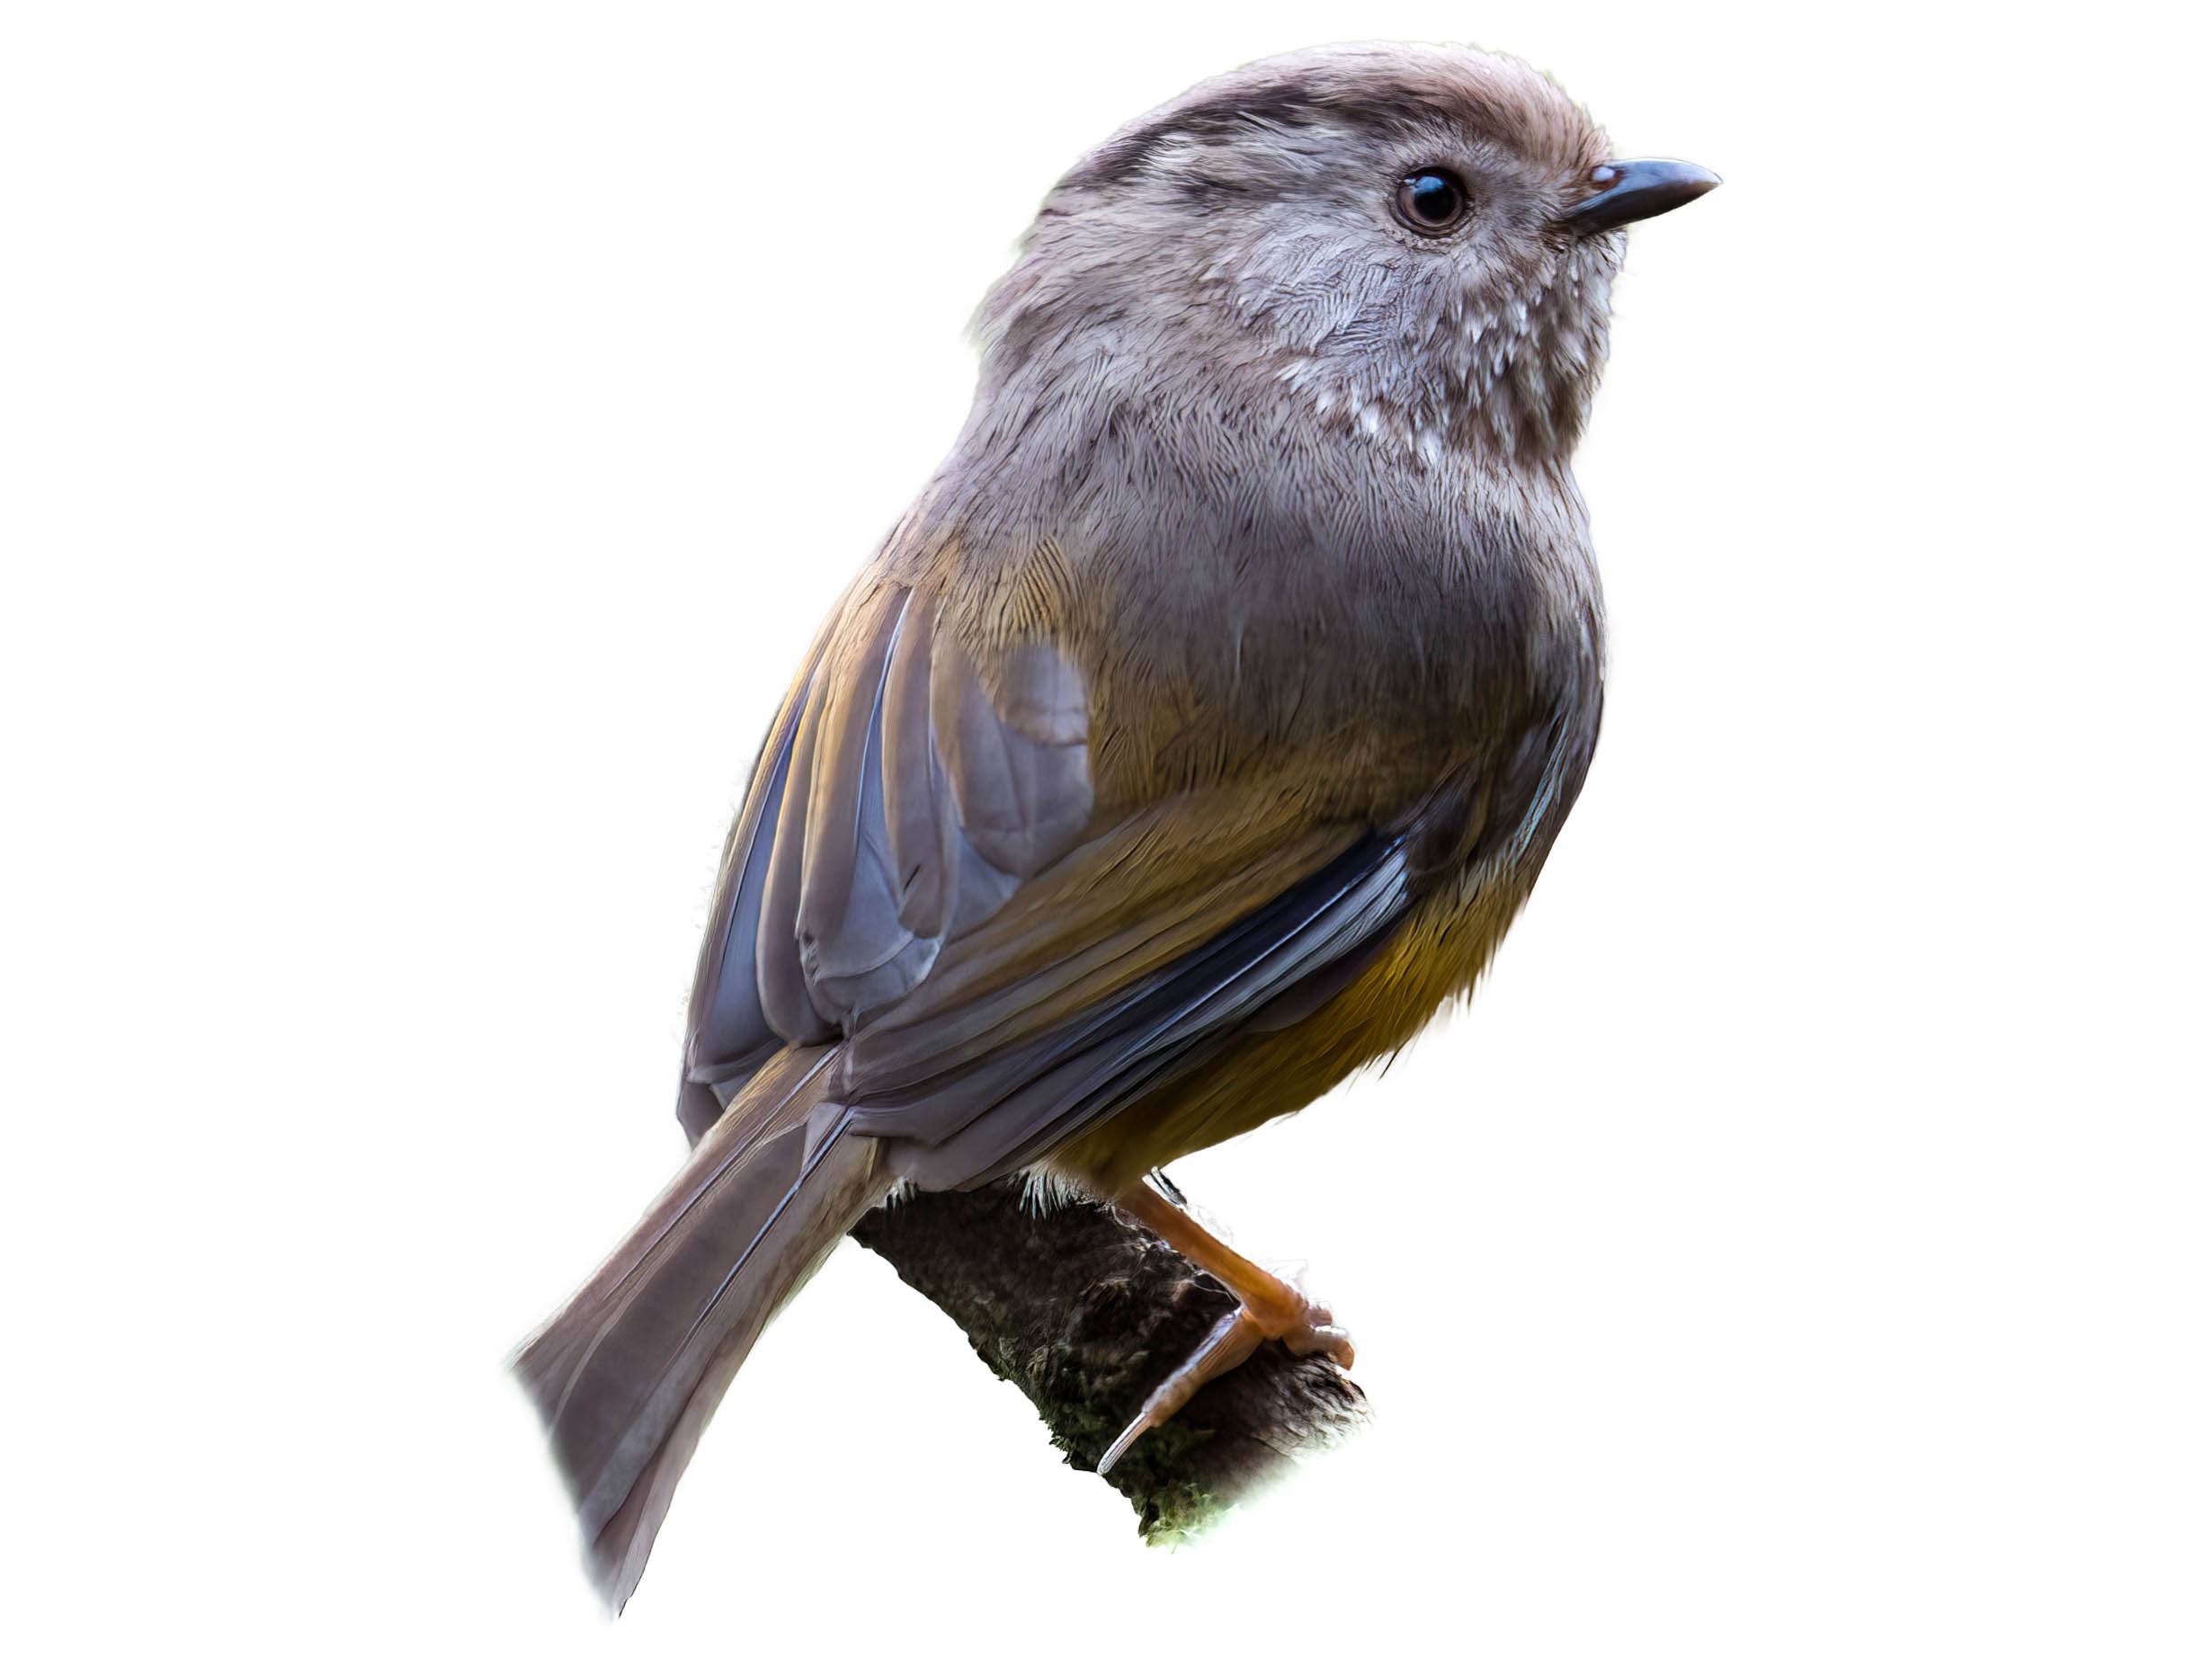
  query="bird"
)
[{"x": 1194, "y": 738}]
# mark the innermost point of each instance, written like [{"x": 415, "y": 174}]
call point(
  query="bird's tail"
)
[{"x": 626, "y": 1375}]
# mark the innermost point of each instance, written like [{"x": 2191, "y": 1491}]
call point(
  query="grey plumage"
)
[{"x": 1198, "y": 732}]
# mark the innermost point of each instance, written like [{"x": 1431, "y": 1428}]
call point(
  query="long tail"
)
[{"x": 626, "y": 1375}]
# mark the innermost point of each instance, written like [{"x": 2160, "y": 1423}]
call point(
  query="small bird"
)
[{"x": 1192, "y": 739}]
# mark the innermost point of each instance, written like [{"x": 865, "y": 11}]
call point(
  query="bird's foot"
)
[
  {"x": 1304, "y": 1327},
  {"x": 1281, "y": 1313}
]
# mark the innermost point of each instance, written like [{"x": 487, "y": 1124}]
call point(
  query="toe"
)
[{"x": 1321, "y": 1337}]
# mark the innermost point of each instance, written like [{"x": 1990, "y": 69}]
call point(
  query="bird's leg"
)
[{"x": 1267, "y": 1307}]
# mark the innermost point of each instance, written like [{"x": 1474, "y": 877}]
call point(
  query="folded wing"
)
[{"x": 919, "y": 875}]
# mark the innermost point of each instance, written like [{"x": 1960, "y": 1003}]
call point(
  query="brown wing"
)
[
  {"x": 896, "y": 805},
  {"x": 917, "y": 871}
]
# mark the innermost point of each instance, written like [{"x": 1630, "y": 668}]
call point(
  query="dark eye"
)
[{"x": 1432, "y": 202}]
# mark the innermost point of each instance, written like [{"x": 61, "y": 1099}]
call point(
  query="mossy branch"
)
[{"x": 1085, "y": 1312}]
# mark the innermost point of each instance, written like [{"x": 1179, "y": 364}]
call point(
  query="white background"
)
[{"x": 432, "y": 430}]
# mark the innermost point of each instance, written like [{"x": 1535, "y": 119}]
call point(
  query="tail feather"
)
[{"x": 628, "y": 1373}]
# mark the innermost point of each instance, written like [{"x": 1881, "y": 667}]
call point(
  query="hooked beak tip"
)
[{"x": 1629, "y": 190}]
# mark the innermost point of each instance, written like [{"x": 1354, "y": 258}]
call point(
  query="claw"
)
[
  {"x": 1267, "y": 1307},
  {"x": 1233, "y": 1340}
]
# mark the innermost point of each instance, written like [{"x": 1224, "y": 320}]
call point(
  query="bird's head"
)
[{"x": 1413, "y": 244}]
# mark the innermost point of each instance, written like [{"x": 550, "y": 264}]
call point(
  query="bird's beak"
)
[{"x": 1628, "y": 191}]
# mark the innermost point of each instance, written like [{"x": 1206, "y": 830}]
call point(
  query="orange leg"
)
[{"x": 1268, "y": 1307}]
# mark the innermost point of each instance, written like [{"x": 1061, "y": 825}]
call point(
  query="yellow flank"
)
[{"x": 1438, "y": 953}]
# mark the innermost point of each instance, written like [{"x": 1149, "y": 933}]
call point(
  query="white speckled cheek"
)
[{"x": 1508, "y": 370}]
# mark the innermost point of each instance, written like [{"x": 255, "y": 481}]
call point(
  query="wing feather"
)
[
  {"x": 785, "y": 997},
  {"x": 919, "y": 875},
  {"x": 973, "y": 1126},
  {"x": 872, "y": 838}
]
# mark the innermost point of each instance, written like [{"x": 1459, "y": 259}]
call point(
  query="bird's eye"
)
[{"x": 1432, "y": 200}]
